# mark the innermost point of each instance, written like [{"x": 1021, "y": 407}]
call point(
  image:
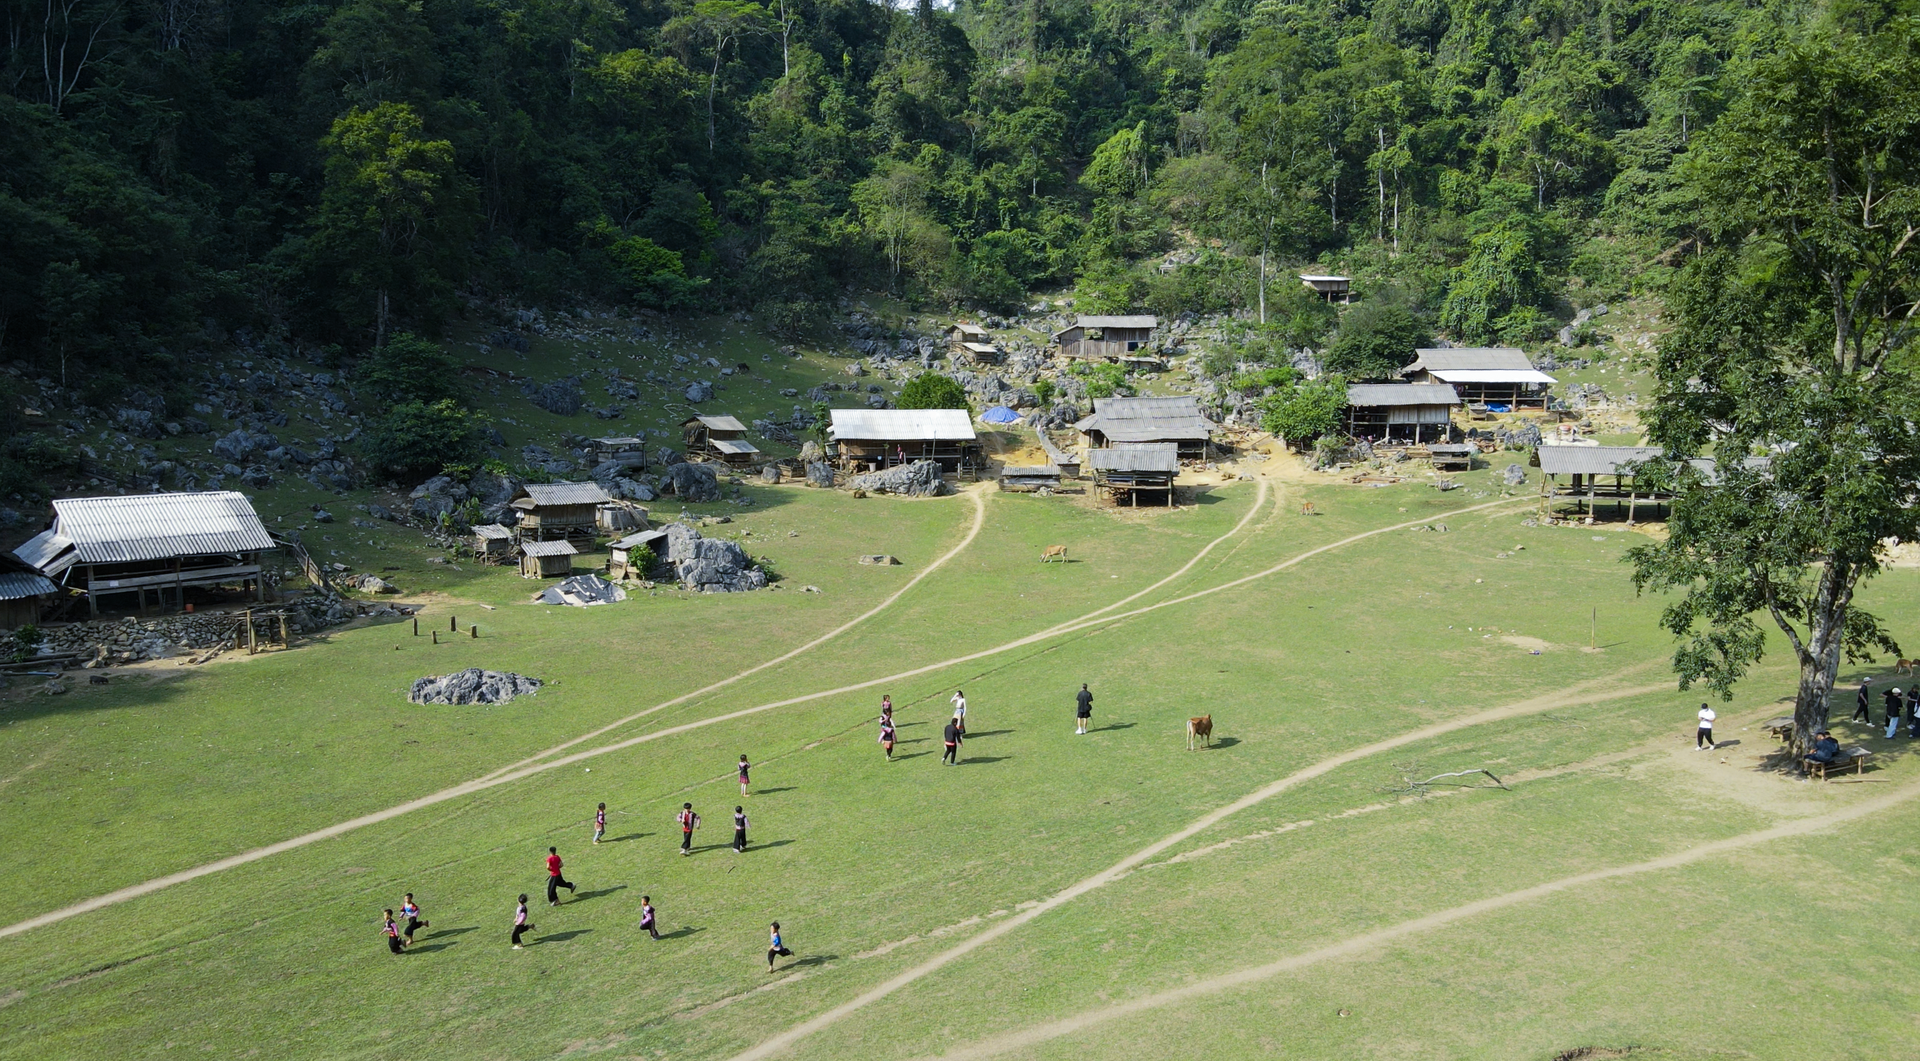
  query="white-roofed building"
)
[
  {"x": 882, "y": 438},
  {"x": 158, "y": 544},
  {"x": 1500, "y": 378},
  {"x": 1326, "y": 285}
]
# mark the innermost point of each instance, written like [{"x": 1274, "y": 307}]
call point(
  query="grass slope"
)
[{"x": 876, "y": 867}]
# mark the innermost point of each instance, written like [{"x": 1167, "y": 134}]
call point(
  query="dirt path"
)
[
  {"x": 539, "y": 764},
  {"x": 1585, "y": 693},
  {"x": 1368, "y": 941}
]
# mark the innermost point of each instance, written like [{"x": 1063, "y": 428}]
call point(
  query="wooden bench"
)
[{"x": 1854, "y": 759}]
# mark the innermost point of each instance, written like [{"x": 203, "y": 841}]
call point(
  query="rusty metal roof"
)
[
  {"x": 105, "y": 530},
  {"x": 565, "y": 493}
]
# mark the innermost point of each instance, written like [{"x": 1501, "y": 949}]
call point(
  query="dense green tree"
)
[
  {"x": 413, "y": 440},
  {"x": 1302, "y": 413},
  {"x": 931, "y": 390},
  {"x": 407, "y": 368},
  {"x": 1376, "y": 340},
  {"x": 1793, "y": 341}
]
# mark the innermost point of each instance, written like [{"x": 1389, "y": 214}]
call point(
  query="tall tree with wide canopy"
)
[{"x": 1794, "y": 342}]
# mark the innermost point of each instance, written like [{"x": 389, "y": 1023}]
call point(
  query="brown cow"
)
[
  {"x": 1053, "y": 551},
  {"x": 1201, "y": 727}
]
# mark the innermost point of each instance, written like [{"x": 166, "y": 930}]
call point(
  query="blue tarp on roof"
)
[{"x": 999, "y": 414}]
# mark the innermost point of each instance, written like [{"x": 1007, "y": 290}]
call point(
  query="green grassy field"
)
[{"x": 1408, "y": 640}]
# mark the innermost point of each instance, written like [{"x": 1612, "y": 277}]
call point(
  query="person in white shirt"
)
[
  {"x": 1703, "y": 737},
  {"x": 960, "y": 710}
]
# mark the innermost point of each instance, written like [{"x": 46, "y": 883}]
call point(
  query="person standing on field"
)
[
  {"x": 689, "y": 821},
  {"x": 1082, "y": 709},
  {"x": 739, "y": 829},
  {"x": 555, "y": 881},
  {"x": 649, "y": 920},
  {"x": 960, "y": 711},
  {"x": 1703, "y": 737},
  {"x": 520, "y": 925},
  {"x": 1863, "y": 701},
  {"x": 744, "y": 767},
  {"x": 887, "y": 734},
  {"x": 1894, "y": 706},
  {"x": 599, "y": 823},
  {"x": 952, "y": 738}
]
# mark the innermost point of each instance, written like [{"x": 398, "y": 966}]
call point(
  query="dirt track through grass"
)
[
  {"x": 1368, "y": 941},
  {"x": 536, "y": 765},
  {"x": 1585, "y": 693}
]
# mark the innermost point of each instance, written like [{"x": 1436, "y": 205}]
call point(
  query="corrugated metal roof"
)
[
  {"x": 1492, "y": 375},
  {"x": 19, "y": 585},
  {"x": 1313, "y": 278},
  {"x": 645, "y": 537},
  {"x": 733, "y": 445},
  {"x": 566, "y": 493},
  {"x": 1592, "y": 460},
  {"x": 1143, "y": 320},
  {"x": 1148, "y": 419},
  {"x": 1151, "y": 457},
  {"x": 1032, "y": 471},
  {"x": 626, "y": 440},
  {"x": 41, "y": 549},
  {"x": 559, "y": 548},
  {"x": 968, "y": 329},
  {"x": 716, "y": 423},
  {"x": 107, "y": 530},
  {"x": 903, "y": 425},
  {"x": 1366, "y": 395},
  {"x": 1468, "y": 357},
  {"x": 493, "y": 530},
  {"x": 980, "y": 348}
]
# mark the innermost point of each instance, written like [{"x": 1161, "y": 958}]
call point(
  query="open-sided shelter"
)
[
  {"x": 547, "y": 559},
  {"x": 1100, "y": 335},
  {"x": 1596, "y": 473},
  {"x": 1404, "y": 412},
  {"x": 492, "y": 543},
  {"x": 1127, "y": 473},
  {"x": 1500, "y": 378},
  {"x": 721, "y": 438},
  {"x": 151, "y": 543},
  {"x": 883, "y": 438},
  {"x": 1140, "y": 421},
  {"x": 1332, "y": 288},
  {"x": 559, "y": 510}
]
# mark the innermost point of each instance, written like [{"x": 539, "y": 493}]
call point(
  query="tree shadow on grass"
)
[
  {"x": 561, "y": 937},
  {"x": 584, "y": 896}
]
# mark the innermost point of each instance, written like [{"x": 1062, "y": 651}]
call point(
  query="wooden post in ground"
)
[{"x": 1593, "y": 636}]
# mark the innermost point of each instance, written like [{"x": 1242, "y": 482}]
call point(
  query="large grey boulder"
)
[
  {"x": 691, "y": 482},
  {"x": 699, "y": 391},
  {"x": 493, "y": 488},
  {"x": 473, "y": 686},
  {"x": 562, "y": 397},
  {"x": 437, "y": 497},
  {"x": 819, "y": 473},
  {"x": 371, "y": 583},
  {"x": 710, "y": 565},
  {"x": 919, "y": 479},
  {"x": 810, "y": 452},
  {"x": 1515, "y": 475}
]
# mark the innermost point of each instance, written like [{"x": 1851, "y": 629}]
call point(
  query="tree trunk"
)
[
  {"x": 1820, "y": 657},
  {"x": 380, "y": 318}
]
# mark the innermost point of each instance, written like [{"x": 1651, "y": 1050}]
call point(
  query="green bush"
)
[
  {"x": 1376, "y": 340},
  {"x": 1304, "y": 412},
  {"x": 932, "y": 390},
  {"x": 408, "y": 369},
  {"x": 1257, "y": 381},
  {"x": 414, "y": 440},
  {"x": 1104, "y": 379}
]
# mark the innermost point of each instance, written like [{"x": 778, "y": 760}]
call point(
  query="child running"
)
[
  {"x": 739, "y": 829},
  {"x": 520, "y": 924},
  {"x": 689, "y": 821},
  {"x": 555, "y": 881},
  {"x": 648, "y": 918},
  {"x": 744, "y": 767},
  {"x": 393, "y": 935},
  {"x": 887, "y": 733},
  {"x": 776, "y": 949},
  {"x": 599, "y": 823},
  {"x": 411, "y": 912}
]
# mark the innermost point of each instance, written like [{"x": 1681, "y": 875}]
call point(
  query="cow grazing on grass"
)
[
  {"x": 1905, "y": 666},
  {"x": 1054, "y": 551},
  {"x": 1200, "y": 728}
]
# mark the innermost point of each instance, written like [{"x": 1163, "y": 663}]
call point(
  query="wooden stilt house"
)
[
  {"x": 1128, "y": 473},
  {"x": 719, "y": 438},
  {"x": 559, "y": 510},
  {"x": 151, "y": 547},
  {"x": 1401, "y": 412},
  {"x": 492, "y": 543}
]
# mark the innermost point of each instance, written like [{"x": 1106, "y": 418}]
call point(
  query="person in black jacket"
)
[
  {"x": 952, "y": 737},
  {"x": 1082, "y": 709},
  {"x": 1864, "y": 701}
]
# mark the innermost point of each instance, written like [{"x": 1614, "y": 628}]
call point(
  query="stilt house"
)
[
  {"x": 559, "y": 510},
  {"x": 1141, "y": 421},
  {"x": 1498, "y": 379},
  {"x": 1128, "y": 473},
  {"x": 721, "y": 438},
  {"x": 1332, "y": 288},
  {"x": 1401, "y": 412},
  {"x": 882, "y": 438},
  {"x": 151, "y": 545},
  {"x": 1105, "y": 336}
]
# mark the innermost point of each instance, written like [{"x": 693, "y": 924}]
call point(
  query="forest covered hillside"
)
[{"x": 325, "y": 175}]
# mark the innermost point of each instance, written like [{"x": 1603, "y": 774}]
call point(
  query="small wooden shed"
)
[
  {"x": 546, "y": 559},
  {"x": 721, "y": 438},
  {"x": 1128, "y": 472},
  {"x": 628, "y": 450},
  {"x": 966, "y": 332},
  {"x": 559, "y": 510},
  {"x": 1026, "y": 480},
  {"x": 1104, "y": 336},
  {"x": 620, "y": 564},
  {"x": 23, "y": 595},
  {"x": 1332, "y": 288},
  {"x": 1401, "y": 412},
  {"x": 492, "y": 543}
]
